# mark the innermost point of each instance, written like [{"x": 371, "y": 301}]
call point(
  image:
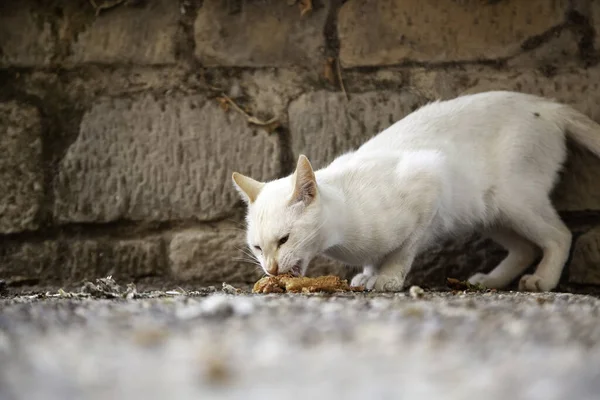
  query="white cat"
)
[{"x": 483, "y": 162}]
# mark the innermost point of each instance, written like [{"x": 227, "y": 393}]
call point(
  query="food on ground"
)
[{"x": 291, "y": 284}]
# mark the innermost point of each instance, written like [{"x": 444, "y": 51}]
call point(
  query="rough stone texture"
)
[
  {"x": 560, "y": 49},
  {"x": 212, "y": 254},
  {"x": 259, "y": 33},
  {"x": 591, "y": 9},
  {"x": 127, "y": 258},
  {"x": 26, "y": 37},
  {"x": 159, "y": 159},
  {"x": 143, "y": 34},
  {"x": 506, "y": 345},
  {"x": 586, "y": 259},
  {"x": 21, "y": 177},
  {"x": 30, "y": 262},
  {"x": 323, "y": 125},
  {"x": 578, "y": 188},
  {"x": 394, "y": 31},
  {"x": 268, "y": 91},
  {"x": 73, "y": 260}
]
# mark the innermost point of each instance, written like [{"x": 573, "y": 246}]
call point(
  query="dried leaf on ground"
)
[{"x": 456, "y": 284}]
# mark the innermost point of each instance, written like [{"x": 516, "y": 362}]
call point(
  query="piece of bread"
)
[{"x": 290, "y": 284}]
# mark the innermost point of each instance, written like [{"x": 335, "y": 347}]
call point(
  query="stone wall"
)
[{"x": 118, "y": 136}]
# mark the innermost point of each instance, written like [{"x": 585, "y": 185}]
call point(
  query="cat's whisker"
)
[
  {"x": 244, "y": 249},
  {"x": 234, "y": 221},
  {"x": 234, "y": 228},
  {"x": 246, "y": 261},
  {"x": 246, "y": 258},
  {"x": 248, "y": 254},
  {"x": 259, "y": 268}
]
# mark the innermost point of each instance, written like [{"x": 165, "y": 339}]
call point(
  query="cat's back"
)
[{"x": 470, "y": 120}]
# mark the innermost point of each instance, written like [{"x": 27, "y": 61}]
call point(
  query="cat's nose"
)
[{"x": 273, "y": 268}]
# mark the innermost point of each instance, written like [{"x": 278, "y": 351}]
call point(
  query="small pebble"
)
[{"x": 416, "y": 292}]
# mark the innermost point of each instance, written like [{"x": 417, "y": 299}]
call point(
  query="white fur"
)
[{"x": 483, "y": 162}]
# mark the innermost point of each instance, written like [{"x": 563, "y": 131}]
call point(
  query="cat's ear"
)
[
  {"x": 248, "y": 187},
  {"x": 305, "y": 183}
]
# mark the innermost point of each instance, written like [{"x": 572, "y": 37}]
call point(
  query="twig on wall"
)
[
  {"x": 339, "y": 71},
  {"x": 270, "y": 124},
  {"x": 106, "y": 5}
]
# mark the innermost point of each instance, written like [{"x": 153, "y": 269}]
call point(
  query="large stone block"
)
[
  {"x": 388, "y": 32},
  {"x": 259, "y": 33},
  {"x": 26, "y": 36},
  {"x": 578, "y": 189},
  {"x": 33, "y": 262},
  {"x": 73, "y": 260},
  {"x": 324, "y": 125},
  {"x": 160, "y": 160},
  {"x": 87, "y": 259},
  {"x": 143, "y": 34},
  {"x": 211, "y": 255},
  {"x": 585, "y": 262},
  {"x": 559, "y": 49},
  {"x": 21, "y": 177}
]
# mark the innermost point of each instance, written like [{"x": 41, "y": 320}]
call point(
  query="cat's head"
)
[{"x": 283, "y": 219}]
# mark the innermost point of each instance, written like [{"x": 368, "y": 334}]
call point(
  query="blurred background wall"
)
[{"x": 122, "y": 120}]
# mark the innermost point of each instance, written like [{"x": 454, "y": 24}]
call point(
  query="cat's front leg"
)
[
  {"x": 393, "y": 270},
  {"x": 365, "y": 278}
]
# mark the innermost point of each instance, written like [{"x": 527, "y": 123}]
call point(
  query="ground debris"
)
[
  {"x": 229, "y": 289},
  {"x": 456, "y": 284},
  {"x": 103, "y": 288},
  {"x": 108, "y": 288}
]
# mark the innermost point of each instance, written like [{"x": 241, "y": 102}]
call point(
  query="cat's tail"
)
[{"x": 581, "y": 128}]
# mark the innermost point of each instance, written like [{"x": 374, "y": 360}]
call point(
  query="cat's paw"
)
[
  {"x": 535, "y": 283},
  {"x": 484, "y": 280},
  {"x": 386, "y": 283},
  {"x": 380, "y": 283},
  {"x": 363, "y": 280}
]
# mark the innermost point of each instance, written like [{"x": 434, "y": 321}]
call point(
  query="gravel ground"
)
[{"x": 223, "y": 346}]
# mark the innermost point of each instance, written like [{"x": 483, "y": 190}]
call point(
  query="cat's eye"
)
[
  {"x": 283, "y": 240},
  {"x": 258, "y": 248}
]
